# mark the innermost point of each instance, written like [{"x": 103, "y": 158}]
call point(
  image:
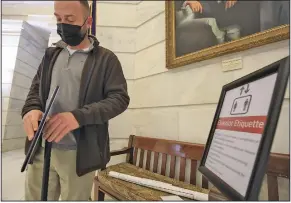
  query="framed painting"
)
[
  {"x": 93, "y": 11},
  {"x": 200, "y": 30}
]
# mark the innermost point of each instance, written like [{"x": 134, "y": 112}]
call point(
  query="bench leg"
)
[
  {"x": 101, "y": 196},
  {"x": 98, "y": 194}
]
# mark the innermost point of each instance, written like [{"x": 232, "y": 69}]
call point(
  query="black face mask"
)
[{"x": 71, "y": 34}]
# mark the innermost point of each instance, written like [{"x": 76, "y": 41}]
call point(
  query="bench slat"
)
[
  {"x": 172, "y": 167},
  {"x": 141, "y": 158},
  {"x": 135, "y": 156},
  {"x": 148, "y": 162},
  {"x": 182, "y": 169},
  {"x": 193, "y": 172},
  {"x": 164, "y": 164},
  {"x": 156, "y": 160}
]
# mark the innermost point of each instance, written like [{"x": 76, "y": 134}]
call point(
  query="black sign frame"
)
[{"x": 282, "y": 68}]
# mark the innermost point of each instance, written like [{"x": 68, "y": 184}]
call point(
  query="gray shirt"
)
[{"x": 67, "y": 72}]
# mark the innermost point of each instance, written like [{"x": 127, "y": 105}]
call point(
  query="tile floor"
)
[{"x": 12, "y": 178}]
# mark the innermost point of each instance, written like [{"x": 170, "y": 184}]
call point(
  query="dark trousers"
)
[{"x": 274, "y": 13}]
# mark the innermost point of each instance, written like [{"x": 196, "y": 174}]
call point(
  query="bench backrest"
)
[{"x": 149, "y": 153}]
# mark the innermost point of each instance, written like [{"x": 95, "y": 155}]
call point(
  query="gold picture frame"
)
[{"x": 255, "y": 40}]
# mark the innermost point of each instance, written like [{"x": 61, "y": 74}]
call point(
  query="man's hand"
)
[
  {"x": 230, "y": 3},
  {"x": 30, "y": 122},
  {"x": 59, "y": 125},
  {"x": 195, "y": 6}
]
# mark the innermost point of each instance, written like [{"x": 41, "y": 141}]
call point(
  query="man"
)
[
  {"x": 197, "y": 6},
  {"x": 189, "y": 19},
  {"x": 92, "y": 91},
  {"x": 216, "y": 14},
  {"x": 199, "y": 25},
  {"x": 191, "y": 34},
  {"x": 237, "y": 18}
]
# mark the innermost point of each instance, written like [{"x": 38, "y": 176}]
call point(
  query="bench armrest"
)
[{"x": 125, "y": 150}]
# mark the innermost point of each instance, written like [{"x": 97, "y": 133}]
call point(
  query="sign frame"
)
[{"x": 282, "y": 68}]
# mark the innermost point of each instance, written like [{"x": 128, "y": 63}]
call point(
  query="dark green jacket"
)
[{"x": 103, "y": 95}]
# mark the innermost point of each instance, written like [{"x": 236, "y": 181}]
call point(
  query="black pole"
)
[
  {"x": 47, "y": 150},
  {"x": 46, "y": 170},
  {"x": 93, "y": 27}
]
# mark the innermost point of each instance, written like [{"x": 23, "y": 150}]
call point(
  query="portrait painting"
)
[{"x": 200, "y": 30}]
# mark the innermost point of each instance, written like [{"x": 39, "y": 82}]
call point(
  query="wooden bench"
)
[{"x": 141, "y": 151}]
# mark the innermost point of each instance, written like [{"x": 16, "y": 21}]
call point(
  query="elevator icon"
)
[{"x": 241, "y": 104}]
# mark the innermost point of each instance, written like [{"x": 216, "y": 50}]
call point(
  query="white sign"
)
[
  {"x": 239, "y": 131},
  {"x": 232, "y": 64}
]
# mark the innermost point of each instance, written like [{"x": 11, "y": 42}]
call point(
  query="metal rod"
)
[{"x": 46, "y": 170}]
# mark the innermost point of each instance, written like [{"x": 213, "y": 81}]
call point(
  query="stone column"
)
[{"x": 23, "y": 47}]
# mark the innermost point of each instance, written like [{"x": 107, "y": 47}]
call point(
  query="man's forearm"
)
[{"x": 103, "y": 111}]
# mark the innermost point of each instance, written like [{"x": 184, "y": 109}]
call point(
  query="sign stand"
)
[
  {"x": 47, "y": 154},
  {"x": 241, "y": 136},
  {"x": 46, "y": 170}
]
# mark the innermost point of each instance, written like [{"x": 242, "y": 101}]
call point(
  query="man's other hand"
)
[
  {"x": 30, "y": 122},
  {"x": 59, "y": 125},
  {"x": 195, "y": 6},
  {"x": 230, "y": 3}
]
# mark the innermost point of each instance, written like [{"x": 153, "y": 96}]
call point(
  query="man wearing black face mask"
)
[{"x": 92, "y": 91}]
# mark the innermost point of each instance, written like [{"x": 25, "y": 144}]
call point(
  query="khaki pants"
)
[{"x": 63, "y": 180}]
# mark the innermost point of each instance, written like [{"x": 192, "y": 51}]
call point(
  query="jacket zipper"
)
[{"x": 87, "y": 82}]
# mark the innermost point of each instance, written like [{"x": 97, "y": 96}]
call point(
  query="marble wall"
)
[
  {"x": 116, "y": 30},
  {"x": 174, "y": 104},
  {"x": 22, "y": 54}
]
